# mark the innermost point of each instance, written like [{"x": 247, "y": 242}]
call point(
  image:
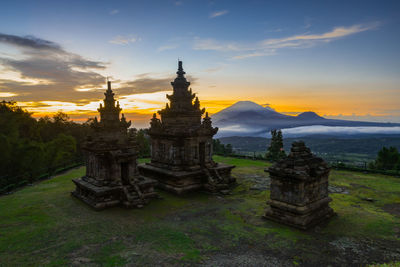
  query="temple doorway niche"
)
[
  {"x": 125, "y": 173},
  {"x": 202, "y": 153}
]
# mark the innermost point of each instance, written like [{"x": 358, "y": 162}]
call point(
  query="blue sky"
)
[{"x": 338, "y": 58}]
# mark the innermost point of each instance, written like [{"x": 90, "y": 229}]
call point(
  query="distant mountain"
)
[
  {"x": 309, "y": 115},
  {"x": 246, "y": 110},
  {"x": 246, "y": 118}
]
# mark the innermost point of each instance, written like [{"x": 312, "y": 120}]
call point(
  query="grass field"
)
[{"x": 42, "y": 225}]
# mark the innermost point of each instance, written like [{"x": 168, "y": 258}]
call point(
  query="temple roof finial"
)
[
  {"x": 109, "y": 100},
  {"x": 108, "y": 84},
  {"x": 180, "y": 71}
]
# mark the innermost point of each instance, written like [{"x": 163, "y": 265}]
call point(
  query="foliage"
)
[
  {"x": 387, "y": 159},
  {"x": 30, "y": 147},
  {"x": 143, "y": 142},
  {"x": 275, "y": 150},
  {"x": 221, "y": 149}
]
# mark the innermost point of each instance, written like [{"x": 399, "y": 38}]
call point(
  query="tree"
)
[
  {"x": 221, "y": 149},
  {"x": 387, "y": 159},
  {"x": 60, "y": 150},
  {"x": 228, "y": 149},
  {"x": 275, "y": 150},
  {"x": 143, "y": 143},
  {"x": 33, "y": 160}
]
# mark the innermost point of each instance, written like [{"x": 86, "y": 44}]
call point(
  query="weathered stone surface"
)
[
  {"x": 112, "y": 177},
  {"x": 299, "y": 189},
  {"x": 181, "y": 145}
]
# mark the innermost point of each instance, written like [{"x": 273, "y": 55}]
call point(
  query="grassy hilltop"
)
[{"x": 43, "y": 225}]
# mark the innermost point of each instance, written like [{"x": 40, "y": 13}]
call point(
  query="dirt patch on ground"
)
[
  {"x": 360, "y": 186},
  {"x": 338, "y": 189},
  {"x": 259, "y": 182},
  {"x": 393, "y": 209}
]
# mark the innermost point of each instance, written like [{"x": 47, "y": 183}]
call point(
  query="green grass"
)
[
  {"x": 241, "y": 162},
  {"x": 43, "y": 225}
]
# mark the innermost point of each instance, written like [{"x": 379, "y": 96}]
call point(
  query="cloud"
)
[
  {"x": 173, "y": 43},
  {"x": 167, "y": 47},
  {"x": 29, "y": 42},
  {"x": 256, "y": 54},
  {"x": 47, "y": 70},
  {"x": 114, "y": 12},
  {"x": 269, "y": 47},
  {"x": 305, "y": 39},
  {"x": 211, "y": 44},
  {"x": 218, "y": 13},
  {"x": 178, "y": 3},
  {"x": 307, "y": 22},
  {"x": 215, "y": 69},
  {"x": 275, "y": 30},
  {"x": 60, "y": 91},
  {"x": 7, "y": 94},
  {"x": 147, "y": 84},
  {"x": 124, "y": 40},
  {"x": 338, "y": 130}
]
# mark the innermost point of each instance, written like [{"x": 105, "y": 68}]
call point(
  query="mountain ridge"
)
[{"x": 246, "y": 118}]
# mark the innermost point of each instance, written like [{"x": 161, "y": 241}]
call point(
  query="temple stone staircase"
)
[{"x": 215, "y": 182}]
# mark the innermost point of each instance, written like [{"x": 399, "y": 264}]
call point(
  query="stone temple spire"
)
[
  {"x": 181, "y": 144},
  {"x": 109, "y": 101},
  {"x": 109, "y": 113},
  {"x": 180, "y": 84}
]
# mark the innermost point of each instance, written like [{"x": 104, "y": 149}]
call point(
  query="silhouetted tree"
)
[
  {"x": 221, "y": 149},
  {"x": 143, "y": 143},
  {"x": 387, "y": 159},
  {"x": 228, "y": 149},
  {"x": 275, "y": 150}
]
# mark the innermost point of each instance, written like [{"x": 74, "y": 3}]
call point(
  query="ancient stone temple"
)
[
  {"x": 299, "y": 189},
  {"x": 181, "y": 145},
  {"x": 112, "y": 177}
]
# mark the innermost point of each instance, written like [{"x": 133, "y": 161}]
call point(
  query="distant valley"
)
[{"x": 355, "y": 149}]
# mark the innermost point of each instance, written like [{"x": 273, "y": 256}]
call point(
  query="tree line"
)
[
  {"x": 221, "y": 149},
  {"x": 30, "y": 147}
]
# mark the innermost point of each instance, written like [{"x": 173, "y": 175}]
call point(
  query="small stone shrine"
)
[
  {"x": 299, "y": 189},
  {"x": 112, "y": 177},
  {"x": 181, "y": 145}
]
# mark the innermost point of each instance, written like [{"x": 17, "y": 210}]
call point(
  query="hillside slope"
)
[{"x": 43, "y": 225}]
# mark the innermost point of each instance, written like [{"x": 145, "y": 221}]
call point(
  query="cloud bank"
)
[
  {"x": 240, "y": 130},
  {"x": 338, "y": 130},
  {"x": 47, "y": 72}
]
